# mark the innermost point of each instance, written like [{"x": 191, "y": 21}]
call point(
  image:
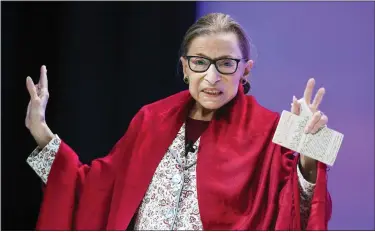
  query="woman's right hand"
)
[{"x": 35, "y": 118}]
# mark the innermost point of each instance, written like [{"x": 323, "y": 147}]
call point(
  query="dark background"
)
[{"x": 105, "y": 60}]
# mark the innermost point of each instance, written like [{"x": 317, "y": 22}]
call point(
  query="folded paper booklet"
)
[{"x": 322, "y": 146}]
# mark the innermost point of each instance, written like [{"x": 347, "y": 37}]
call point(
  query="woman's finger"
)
[
  {"x": 295, "y": 106},
  {"x": 43, "y": 81},
  {"x": 309, "y": 90},
  {"x": 315, "y": 118},
  {"x": 318, "y": 99},
  {"x": 320, "y": 124},
  {"x": 31, "y": 88}
]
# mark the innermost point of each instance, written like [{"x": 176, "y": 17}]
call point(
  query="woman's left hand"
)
[{"x": 318, "y": 120}]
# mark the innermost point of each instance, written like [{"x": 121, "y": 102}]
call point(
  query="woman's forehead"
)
[{"x": 215, "y": 45}]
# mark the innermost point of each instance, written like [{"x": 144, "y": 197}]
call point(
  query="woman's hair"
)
[{"x": 217, "y": 23}]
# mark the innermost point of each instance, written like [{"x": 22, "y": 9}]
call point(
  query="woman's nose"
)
[{"x": 212, "y": 75}]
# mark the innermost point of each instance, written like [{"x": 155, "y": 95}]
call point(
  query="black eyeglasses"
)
[{"x": 223, "y": 65}]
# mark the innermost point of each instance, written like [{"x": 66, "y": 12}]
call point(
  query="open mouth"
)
[{"x": 212, "y": 92}]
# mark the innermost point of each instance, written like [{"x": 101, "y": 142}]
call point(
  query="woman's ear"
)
[{"x": 248, "y": 67}]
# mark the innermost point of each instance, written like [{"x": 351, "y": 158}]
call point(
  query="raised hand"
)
[
  {"x": 35, "y": 117},
  {"x": 318, "y": 120}
]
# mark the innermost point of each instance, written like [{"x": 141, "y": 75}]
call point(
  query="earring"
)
[
  {"x": 244, "y": 81},
  {"x": 246, "y": 85},
  {"x": 186, "y": 80}
]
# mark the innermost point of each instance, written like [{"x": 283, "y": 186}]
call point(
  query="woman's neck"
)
[{"x": 198, "y": 112}]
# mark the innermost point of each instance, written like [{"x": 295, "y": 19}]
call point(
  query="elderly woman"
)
[{"x": 202, "y": 159}]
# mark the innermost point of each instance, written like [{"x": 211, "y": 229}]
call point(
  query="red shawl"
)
[{"x": 244, "y": 181}]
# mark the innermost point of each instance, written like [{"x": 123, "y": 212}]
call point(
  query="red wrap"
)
[{"x": 244, "y": 181}]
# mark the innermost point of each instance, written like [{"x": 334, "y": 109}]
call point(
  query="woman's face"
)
[{"x": 210, "y": 88}]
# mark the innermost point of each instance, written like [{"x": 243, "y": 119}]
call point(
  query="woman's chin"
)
[{"x": 209, "y": 105}]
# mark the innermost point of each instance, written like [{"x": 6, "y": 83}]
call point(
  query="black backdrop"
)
[{"x": 105, "y": 60}]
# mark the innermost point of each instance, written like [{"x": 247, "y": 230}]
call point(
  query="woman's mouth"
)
[{"x": 212, "y": 92}]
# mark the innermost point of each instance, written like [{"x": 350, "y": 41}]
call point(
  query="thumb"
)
[
  {"x": 295, "y": 106},
  {"x": 31, "y": 88}
]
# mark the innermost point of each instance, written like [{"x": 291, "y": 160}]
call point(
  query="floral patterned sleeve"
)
[
  {"x": 41, "y": 159},
  {"x": 306, "y": 193}
]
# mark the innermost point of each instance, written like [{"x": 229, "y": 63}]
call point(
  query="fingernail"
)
[{"x": 306, "y": 130}]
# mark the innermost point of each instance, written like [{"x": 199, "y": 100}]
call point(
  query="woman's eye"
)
[{"x": 199, "y": 61}]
